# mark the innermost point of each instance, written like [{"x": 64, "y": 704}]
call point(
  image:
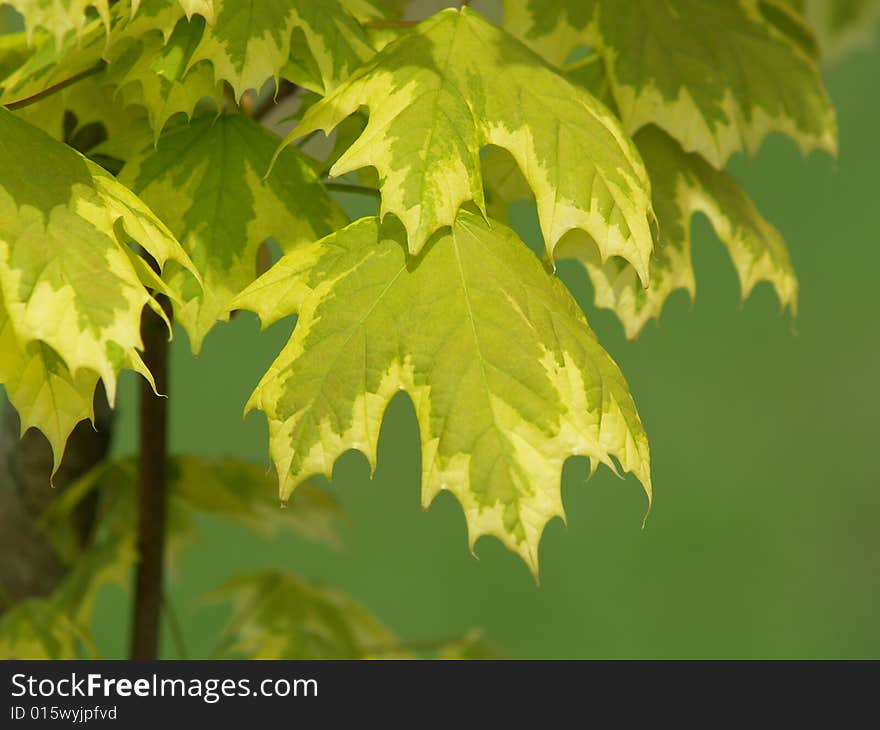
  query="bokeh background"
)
[{"x": 763, "y": 539}]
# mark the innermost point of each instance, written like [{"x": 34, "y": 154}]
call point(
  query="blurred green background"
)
[{"x": 762, "y": 541}]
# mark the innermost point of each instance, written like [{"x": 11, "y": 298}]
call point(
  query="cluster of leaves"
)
[{"x": 617, "y": 117}]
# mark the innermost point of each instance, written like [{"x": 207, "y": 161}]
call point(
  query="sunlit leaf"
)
[
  {"x": 506, "y": 376},
  {"x": 457, "y": 83}
]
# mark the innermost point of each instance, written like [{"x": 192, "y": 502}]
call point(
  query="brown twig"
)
[
  {"x": 152, "y": 489},
  {"x": 350, "y": 188},
  {"x": 27, "y": 101}
]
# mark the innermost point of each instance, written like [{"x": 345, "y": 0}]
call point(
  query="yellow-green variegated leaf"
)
[
  {"x": 161, "y": 76},
  {"x": 717, "y": 76},
  {"x": 59, "y": 17},
  {"x": 68, "y": 276},
  {"x": 685, "y": 184},
  {"x": 457, "y": 83},
  {"x": 250, "y": 41},
  {"x": 279, "y": 615},
  {"x": 204, "y": 180},
  {"x": 505, "y": 374},
  {"x": 42, "y": 389},
  {"x": 554, "y": 29}
]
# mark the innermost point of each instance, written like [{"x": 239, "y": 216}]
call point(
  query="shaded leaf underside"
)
[
  {"x": 685, "y": 184},
  {"x": 204, "y": 180}
]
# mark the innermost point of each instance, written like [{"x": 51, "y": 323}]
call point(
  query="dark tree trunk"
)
[{"x": 28, "y": 565}]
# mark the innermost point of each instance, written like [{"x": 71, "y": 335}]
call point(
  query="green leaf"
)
[
  {"x": 250, "y": 40},
  {"x": 457, "y": 83},
  {"x": 239, "y": 491},
  {"x": 717, "y": 76},
  {"x": 204, "y": 181},
  {"x": 235, "y": 490},
  {"x": 40, "y": 629},
  {"x": 68, "y": 277},
  {"x": 506, "y": 376},
  {"x": 281, "y": 616}
]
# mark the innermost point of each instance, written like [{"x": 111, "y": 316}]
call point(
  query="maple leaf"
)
[
  {"x": 235, "y": 490},
  {"x": 249, "y": 41},
  {"x": 506, "y": 376},
  {"x": 68, "y": 277},
  {"x": 685, "y": 184},
  {"x": 279, "y": 615},
  {"x": 717, "y": 76},
  {"x": 204, "y": 180},
  {"x": 457, "y": 83}
]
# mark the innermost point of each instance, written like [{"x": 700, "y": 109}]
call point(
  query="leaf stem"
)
[
  {"x": 391, "y": 23},
  {"x": 27, "y": 101},
  {"x": 176, "y": 629},
  {"x": 350, "y": 188},
  {"x": 152, "y": 489}
]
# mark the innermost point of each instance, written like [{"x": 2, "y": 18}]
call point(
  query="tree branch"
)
[{"x": 152, "y": 489}]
